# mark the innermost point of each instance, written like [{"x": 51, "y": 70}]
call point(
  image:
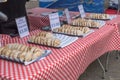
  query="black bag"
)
[{"x": 13, "y": 9}]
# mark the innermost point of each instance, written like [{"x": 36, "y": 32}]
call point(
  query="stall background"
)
[
  {"x": 96, "y": 6},
  {"x": 93, "y": 72}
]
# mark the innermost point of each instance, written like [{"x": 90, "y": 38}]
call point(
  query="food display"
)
[
  {"x": 71, "y": 30},
  {"x": 98, "y": 16},
  {"x": 51, "y": 39},
  {"x": 45, "y": 38},
  {"x": 21, "y": 53},
  {"x": 87, "y": 23}
]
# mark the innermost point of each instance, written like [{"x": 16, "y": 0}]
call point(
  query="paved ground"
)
[{"x": 94, "y": 72}]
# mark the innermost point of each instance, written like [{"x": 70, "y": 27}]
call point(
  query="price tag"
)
[
  {"x": 81, "y": 10},
  {"x": 54, "y": 20},
  {"x": 68, "y": 16},
  {"x": 22, "y": 26}
]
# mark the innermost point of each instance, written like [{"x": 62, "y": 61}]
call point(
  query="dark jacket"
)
[{"x": 13, "y": 9}]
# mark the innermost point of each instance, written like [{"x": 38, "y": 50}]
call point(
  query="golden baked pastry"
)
[
  {"x": 45, "y": 38},
  {"x": 98, "y": 16},
  {"x": 45, "y": 34},
  {"x": 45, "y": 41},
  {"x": 68, "y": 29},
  {"x": 85, "y": 23},
  {"x": 20, "y": 52}
]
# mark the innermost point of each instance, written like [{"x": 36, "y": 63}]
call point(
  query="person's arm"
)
[
  {"x": 3, "y": 17},
  {"x": 1, "y": 1}
]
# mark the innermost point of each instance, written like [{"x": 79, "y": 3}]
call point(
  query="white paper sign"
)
[
  {"x": 54, "y": 20},
  {"x": 22, "y": 26},
  {"x": 68, "y": 16},
  {"x": 81, "y": 10}
]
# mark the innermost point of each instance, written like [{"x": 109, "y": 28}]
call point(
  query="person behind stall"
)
[{"x": 9, "y": 11}]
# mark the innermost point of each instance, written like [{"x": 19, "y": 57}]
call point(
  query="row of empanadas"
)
[
  {"x": 45, "y": 38},
  {"x": 83, "y": 29},
  {"x": 67, "y": 29},
  {"x": 45, "y": 34},
  {"x": 45, "y": 41},
  {"x": 98, "y": 16},
  {"x": 16, "y": 52},
  {"x": 86, "y": 23}
]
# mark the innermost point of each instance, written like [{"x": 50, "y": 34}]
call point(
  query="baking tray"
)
[
  {"x": 65, "y": 41},
  {"x": 46, "y": 53},
  {"x": 110, "y": 18},
  {"x": 102, "y": 23},
  {"x": 82, "y": 35}
]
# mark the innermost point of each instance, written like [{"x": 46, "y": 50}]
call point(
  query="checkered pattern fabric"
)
[{"x": 65, "y": 63}]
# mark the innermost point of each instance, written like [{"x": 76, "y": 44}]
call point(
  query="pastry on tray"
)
[
  {"x": 85, "y": 23},
  {"x": 98, "y": 16},
  {"x": 45, "y": 34},
  {"x": 68, "y": 29},
  {"x": 45, "y": 38},
  {"x": 20, "y": 52}
]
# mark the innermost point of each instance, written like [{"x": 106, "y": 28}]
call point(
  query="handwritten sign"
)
[
  {"x": 68, "y": 16},
  {"x": 54, "y": 20},
  {"x": 81, "y": 10},
  {"x": 22, "y": 27}
]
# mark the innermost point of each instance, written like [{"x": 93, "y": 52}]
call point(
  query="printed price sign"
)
[
  {"x": 68, "y": 16},
  {"x": 54, "y": 20},
  {"x": 22, "y": 26},
  {"x": 81, "y": 10}
]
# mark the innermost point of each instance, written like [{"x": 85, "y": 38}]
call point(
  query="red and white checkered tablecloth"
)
[
  {"x": 63, "y": 64},
  {"x": 115, "y": 22},
  {"x": 37, "y": 20}
]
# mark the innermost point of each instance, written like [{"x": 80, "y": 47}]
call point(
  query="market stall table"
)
[
  {"x": 62, "y": 64},
  {"x": 38, "y": 20}
]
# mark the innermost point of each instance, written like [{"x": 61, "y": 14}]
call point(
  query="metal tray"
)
[
  {"x": 46, "y": 53},
  {"x": 65, "y": 41}
]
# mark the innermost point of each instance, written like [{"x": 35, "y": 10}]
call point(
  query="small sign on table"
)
[
  {"x": 81, "y": 10},
  {"x": 22, "y": 26},
  {"x": 54, "y": 20},
  {"x": 68, "y": 15}
]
